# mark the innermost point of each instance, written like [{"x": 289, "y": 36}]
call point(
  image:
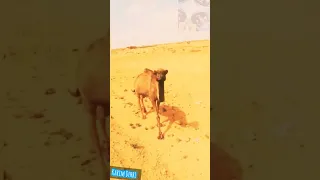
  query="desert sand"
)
[
  {"x": 185, "y": 151},
  {"x": 44, "y": 132}
]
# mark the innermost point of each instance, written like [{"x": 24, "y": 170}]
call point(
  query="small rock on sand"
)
[{"x": 50, "y": 91}]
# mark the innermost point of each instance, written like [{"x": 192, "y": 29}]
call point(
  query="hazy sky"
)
[{"x": 145, "y": 22}]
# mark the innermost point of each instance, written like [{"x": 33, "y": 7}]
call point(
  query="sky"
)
[{"x": 147, "y": 22}]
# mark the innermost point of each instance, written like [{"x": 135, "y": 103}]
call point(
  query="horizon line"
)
[{"x": 157, "y": 44}]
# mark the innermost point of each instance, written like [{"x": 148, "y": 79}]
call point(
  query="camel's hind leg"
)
[
  {"x": 92, "y": 112},
  {"x": 142, "y": 108},
  {"x": 103, "y": 119}
]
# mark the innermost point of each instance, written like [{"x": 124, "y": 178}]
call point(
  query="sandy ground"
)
[
  {"x": 185, "y": 151},
  {"x": 266, "y": 104},
  {"x": 44, "y": 131},
  {"x": 265, "y": 110},
  {"x": 46, "y": 136}
]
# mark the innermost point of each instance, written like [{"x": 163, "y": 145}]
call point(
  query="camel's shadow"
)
[{"x": 175, "y": 115}]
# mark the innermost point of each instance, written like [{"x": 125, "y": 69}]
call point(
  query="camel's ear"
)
[
  {"x": 166, "y": 72},
  {"x": 155, "y": 72}
]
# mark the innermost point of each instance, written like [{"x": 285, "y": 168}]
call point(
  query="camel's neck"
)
[{"x": 161, "y": 91}]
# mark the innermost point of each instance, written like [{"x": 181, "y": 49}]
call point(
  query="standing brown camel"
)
[
  {"x": 150, "y": 84},
  {"x": 92, "y": 86}
]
